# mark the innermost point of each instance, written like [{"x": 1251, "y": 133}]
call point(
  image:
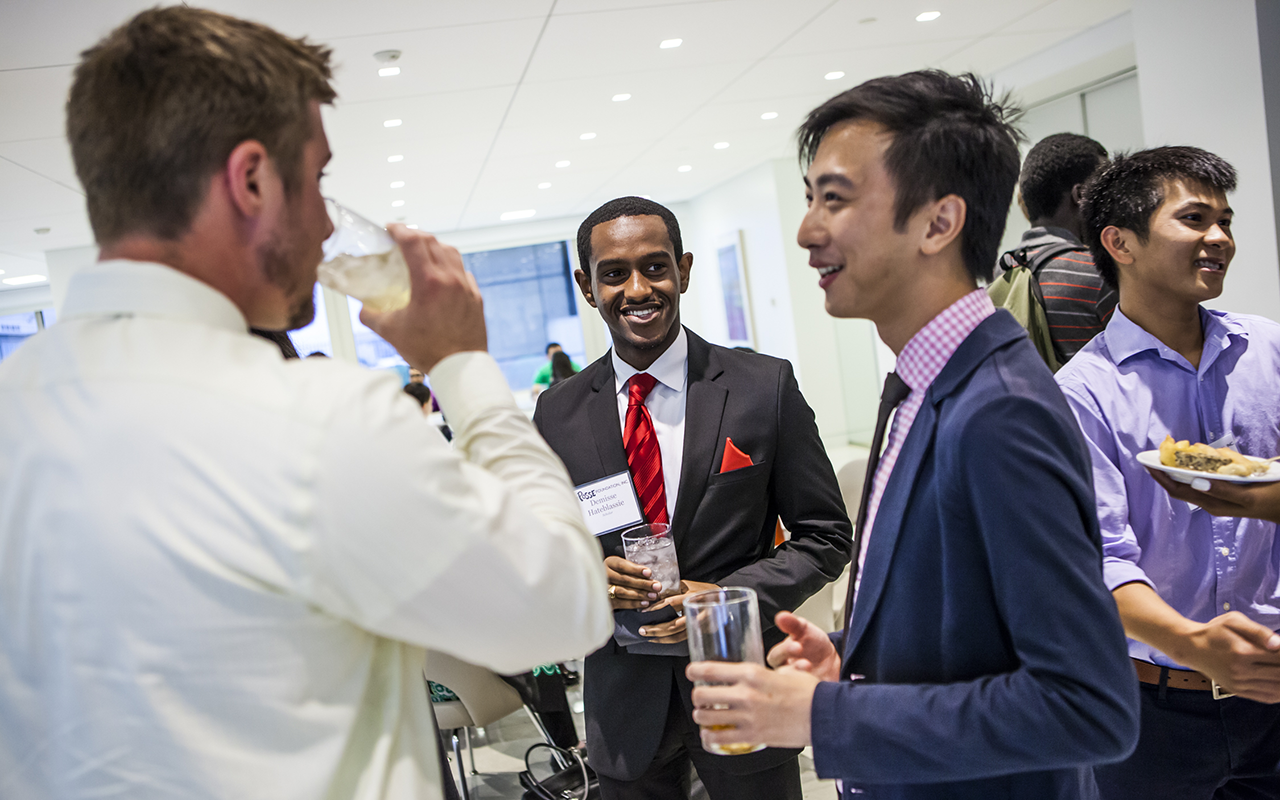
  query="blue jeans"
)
[{"x": 1193, "y": 747}]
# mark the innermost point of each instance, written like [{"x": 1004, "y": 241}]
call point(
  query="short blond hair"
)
[{"x": 158, "y": 105}]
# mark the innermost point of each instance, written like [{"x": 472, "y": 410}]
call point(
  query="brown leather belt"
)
[{"x": 1178, "y": 678}]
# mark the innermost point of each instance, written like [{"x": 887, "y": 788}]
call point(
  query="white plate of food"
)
[{"x": 1193, "y": 461}]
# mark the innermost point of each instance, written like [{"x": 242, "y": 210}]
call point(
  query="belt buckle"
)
[{"x": 1218, "y": 693}]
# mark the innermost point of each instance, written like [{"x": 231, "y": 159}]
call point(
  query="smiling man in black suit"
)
[{"x": 738, "y": 448}]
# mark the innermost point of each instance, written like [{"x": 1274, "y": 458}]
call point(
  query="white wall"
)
[{"x": 1220, "y": 108}]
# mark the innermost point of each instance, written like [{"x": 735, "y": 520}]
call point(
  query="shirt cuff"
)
[
  {"x": 468, "y": 384},
  {"x": 1116, "y": 572}
]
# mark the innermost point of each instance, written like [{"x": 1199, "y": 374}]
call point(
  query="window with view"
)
[{"x": 528, "y": 302}]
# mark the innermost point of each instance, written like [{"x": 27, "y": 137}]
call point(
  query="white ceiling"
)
[{"x": 494, "y": 92}]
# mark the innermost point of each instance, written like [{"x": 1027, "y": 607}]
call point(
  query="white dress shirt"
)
[
  {"x": 218, "y": 569},
  {"x": 666, "y": 407}
]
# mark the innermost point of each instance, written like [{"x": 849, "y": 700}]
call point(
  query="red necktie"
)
[{"x": 643, "y": 456}]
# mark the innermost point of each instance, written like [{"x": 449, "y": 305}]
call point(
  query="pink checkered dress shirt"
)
[{"x": 918, "y": 365}]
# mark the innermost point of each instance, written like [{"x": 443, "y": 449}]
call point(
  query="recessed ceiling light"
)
[
  {"x": 413, "y": 227},
  {"x": 834, "y": 76},
  {"x": 397, "y": 203},
  {"x": 394, "y": 159},
  {"x": 619, "y": 98},
  {"x": 387, "y": 72},
  {"x": 525, "y": 214},
  {"x": 393, "y": 123},
  {"x": 667, "y": 44},
  {"x": 397, "y": 184},
  {"x": 720, "y": 145},
  {"x": 584, "y": 137},
  {"x": 928, "y": 16},
  {"x": 22, "y": 280},
  {"x": 769, "y": 115},
  {"x": 544, "y": 185},
  {"x": 562, "y": 164},
  {"x": 683, "y": 168}
]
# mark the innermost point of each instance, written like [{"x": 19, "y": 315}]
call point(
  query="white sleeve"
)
[{"x": 479, "y": 551}]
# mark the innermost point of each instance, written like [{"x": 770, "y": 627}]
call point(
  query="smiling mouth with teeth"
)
[
  {"x": 641, "y": 314},
  {"x": 1216, "y": 266},
  {"x": 831, "y": 270}
]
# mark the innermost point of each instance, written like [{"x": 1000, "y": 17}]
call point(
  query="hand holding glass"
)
[
  {"x": 652, "y": 546},
  {"x": 362, "y": 260},
  {"x": 724, "y": 625}
]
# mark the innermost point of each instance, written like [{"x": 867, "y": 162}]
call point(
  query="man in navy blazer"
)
[{"x": 984, "y": 657}]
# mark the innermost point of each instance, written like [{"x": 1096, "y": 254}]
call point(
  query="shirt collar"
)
[
  {"x": 1125, "y": 338},
  {"x": 1046, "y": 234},
  {"x": 933, "y": 345},
  {"x": 671, "y": 369},
  {"x": 147, "y": 289}
]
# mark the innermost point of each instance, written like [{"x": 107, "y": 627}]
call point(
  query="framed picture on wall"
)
[{"x": 737, "y": 296}]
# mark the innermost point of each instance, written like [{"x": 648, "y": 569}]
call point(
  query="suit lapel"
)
[
  {"x": 606, "y": 428},
  {"x": 996, "y": 331},
  {"x": 888, "y": 522},
  {"x": 704, "y": 408}
]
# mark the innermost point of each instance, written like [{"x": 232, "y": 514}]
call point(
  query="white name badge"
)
[{"x": 609, "y": 504}]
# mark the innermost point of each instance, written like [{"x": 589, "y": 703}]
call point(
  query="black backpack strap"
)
[{"x": 1048, "y": 253}]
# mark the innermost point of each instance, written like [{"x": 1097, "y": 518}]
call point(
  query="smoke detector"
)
[{"x": 386, "y": 56}]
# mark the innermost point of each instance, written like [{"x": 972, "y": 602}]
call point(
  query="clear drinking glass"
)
[
  {"x": 724, "y": 625},
  {"x": 652, "y": 546},
  {"x": 362, "y": 260}
]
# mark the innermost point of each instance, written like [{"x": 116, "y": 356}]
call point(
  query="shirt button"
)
[
  {"x": 1224, "y": 551},
  {"x": 1226, "y": 606}
]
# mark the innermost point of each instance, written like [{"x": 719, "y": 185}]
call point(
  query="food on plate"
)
[{"x": 1203, "y": 458}]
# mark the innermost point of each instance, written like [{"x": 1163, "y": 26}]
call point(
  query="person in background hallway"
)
[
  {"x": 983, "y": 657},
  {"x": 217, "y": 569},
  {"x": 1199, "y": 595},
  {"x": 562, "y": 367},
  {"x": 416, "y": 376},
  {"x": 736, "y": 448},
  {"x": 542, "y": 379},
  {"x": 1077, "y": 302},
  {"x": 420, "y": 393}
]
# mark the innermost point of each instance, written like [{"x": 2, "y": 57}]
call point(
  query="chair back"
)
[{"x": 483, "y": 697}]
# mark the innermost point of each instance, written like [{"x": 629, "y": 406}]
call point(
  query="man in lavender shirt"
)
[{"x": 1199, "y": 595}]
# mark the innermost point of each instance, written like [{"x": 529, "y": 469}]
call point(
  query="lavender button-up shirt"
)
[{"x": 1129, "y": 390}]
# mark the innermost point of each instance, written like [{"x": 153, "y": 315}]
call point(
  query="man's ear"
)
[
  {"x": 1022, "y": 205},
  {"x": 945, "y": 222},
  {"x": 584, "y": 286},
  {"x": 246, "y": 173},
  {"x": 1077, "y": 195},
  {"x": 682, "y": 268},
  {"x": 1119, "y": 243}
]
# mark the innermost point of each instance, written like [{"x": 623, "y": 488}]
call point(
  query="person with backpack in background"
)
[{"x": 1062, "y": 281}]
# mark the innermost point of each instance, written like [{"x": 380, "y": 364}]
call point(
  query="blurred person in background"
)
[
  {"x": 218, "y": 569},
  {"x": 1077, "y": 302}
]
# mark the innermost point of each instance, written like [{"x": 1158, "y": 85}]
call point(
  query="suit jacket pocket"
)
[{"x": 742, "y": 474}]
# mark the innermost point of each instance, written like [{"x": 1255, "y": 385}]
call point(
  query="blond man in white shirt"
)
[{"x": 218, "y": 569}]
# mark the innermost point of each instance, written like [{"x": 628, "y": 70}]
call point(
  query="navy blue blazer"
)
[{"x": 994, "y": 659}]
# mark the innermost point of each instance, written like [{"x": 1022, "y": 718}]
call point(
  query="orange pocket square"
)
[{"x": 733, "y": 458}]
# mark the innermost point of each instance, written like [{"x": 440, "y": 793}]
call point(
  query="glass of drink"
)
[
  {"x": 724, "y": 625},
  {"x": 652, "y": 546},
  {"x": 362, "y": 260}
]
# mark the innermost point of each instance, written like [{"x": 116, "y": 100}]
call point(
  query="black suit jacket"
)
[{"x": 723, "y": 523}]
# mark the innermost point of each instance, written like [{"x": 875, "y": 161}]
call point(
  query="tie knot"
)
[
  {"x": 895, "y": 390},
  {"x": 641, "y": 384}
]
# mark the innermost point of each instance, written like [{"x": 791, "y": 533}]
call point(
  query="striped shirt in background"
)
[{"x": 1077, "y": 303}]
